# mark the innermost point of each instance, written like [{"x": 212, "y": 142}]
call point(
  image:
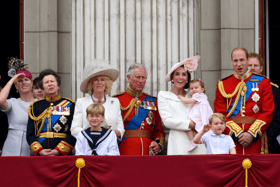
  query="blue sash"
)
[
  {"x": 135, "y": 123},
  {"x": 54, "y": 119},
  {"x": 253, "y": 79}
]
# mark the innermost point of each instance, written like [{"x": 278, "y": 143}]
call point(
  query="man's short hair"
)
[
  {"x": 255, "y": 55},
  {"x": 133, "y": 66},
  {"x": 240, "y": 48},
  {"x": 95, "y": 108}
]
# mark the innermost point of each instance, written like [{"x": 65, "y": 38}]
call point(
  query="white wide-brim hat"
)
[
  {"x": 98, "y": 67},
  {"x": 190, "y": 65}
]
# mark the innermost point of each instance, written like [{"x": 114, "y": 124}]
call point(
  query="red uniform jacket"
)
[
  {"x": 259, "y": 104},
  {"x": 147, "y": 119}
]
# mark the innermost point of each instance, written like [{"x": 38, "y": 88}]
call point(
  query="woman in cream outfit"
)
[
  {"x": 98, "y": 81},
  {"x": 173, "y": 111}
]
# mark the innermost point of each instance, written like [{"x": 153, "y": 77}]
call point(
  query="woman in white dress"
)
[
  {"x": 98, "y": 81},
  {"x": 16, "y": 110},
  {"x": 173, "y": 111}
]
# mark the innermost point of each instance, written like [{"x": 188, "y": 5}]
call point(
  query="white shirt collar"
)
[{"x": 212, "y": 134}]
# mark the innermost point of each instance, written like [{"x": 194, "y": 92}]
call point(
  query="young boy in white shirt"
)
[
  {"x": 212, "y": 136},
  {"x": 96, "y": 140}
]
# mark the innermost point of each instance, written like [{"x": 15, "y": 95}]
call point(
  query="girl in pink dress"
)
[{"x": 200, "y": 109}]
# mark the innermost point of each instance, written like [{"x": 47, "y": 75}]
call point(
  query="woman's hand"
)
[
  {"x": 118, "y": 133},
  {"x": 54, "y": 152},
  {"x": 44, "y": 152},
  {"x": 16, "y": 77}
]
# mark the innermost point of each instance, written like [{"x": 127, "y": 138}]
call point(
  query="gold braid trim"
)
[
  {"x": 275, "y": 85},
  {"x": 41, "y": 118},
  {"x": 130, "y": 107},
  {"x": 69, "y": 100},
  {"x": 234, "y": 128},
  {"x": 256, "y": 128},
  {"x": 239, "y": 90}
]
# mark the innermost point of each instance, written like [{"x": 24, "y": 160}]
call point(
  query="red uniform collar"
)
[
  {"x": 133, "y": 93},
  {"x": 243, "y": 77},
  {"x": 54, "y": 98}
]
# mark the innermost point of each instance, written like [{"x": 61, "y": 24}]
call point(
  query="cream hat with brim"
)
[
  {"x": 190, "y": 65},
  {"x": 98, "y": 67}
]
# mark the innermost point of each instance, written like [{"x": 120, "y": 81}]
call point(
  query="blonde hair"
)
[
  {"x": 107, "y": 90},
  {"x": 200, "y": 82},
  {"x": 217, "y": 115},
  {"x": 95, "y": 108}
]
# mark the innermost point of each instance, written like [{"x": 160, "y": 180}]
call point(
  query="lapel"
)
[{"x": 110, "y": 103}]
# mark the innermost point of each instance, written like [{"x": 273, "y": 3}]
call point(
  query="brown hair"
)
[
  {"x": 217, "y": 115},
  {"x": 255, "y": 55},
  {"x": 95, "y": 108},
  {"x": 47, "y": 72},
  {"x": 240, "y": 48},
  {"x": 200, "y": 81},
  {"x": 189, "y": 78}
]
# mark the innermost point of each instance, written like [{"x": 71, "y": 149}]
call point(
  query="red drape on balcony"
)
[{"x": 111, "y": 171}]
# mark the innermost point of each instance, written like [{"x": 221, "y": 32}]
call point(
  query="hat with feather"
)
[{"x": 17, "y": 66}]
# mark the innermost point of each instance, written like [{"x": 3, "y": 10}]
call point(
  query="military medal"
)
[
  {"x": 257, "y": 87},
  {"x": 151, "y": 115},
  {"x": 253, "y": 87},
  {"x": 256, "y": 108},
  {"x": 255, "y": 97},
  {"x": 56, "y": 127},
  {"x": 148, "y": 120},
  {"x": 66, "y": 111},
  {"x": 63, "y": 120}
]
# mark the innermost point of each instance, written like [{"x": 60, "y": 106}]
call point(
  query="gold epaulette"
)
[
  {"x": 118, "y": 94},
  {"x": 38, "y": 101},
  {"x": 225, "y": 78},
  {"x": 273, "y": 84},
  {"x": 150, "y": 95},
  {"x": 69, "y": 100},
  {"x": 259, "y": 75}
]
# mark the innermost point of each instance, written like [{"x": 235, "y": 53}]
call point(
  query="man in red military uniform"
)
[
  {"x": 144, "y": 134},
  {"x": 247, "y": 102}
]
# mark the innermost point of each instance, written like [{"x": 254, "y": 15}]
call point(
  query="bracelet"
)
[{"x": 10, "y": 83}]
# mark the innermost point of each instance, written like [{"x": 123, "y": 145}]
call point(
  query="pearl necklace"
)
[{"x": 97, "y": 100}]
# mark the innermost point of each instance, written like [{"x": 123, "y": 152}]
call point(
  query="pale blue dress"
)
[{"x": 16, "y": 144}]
